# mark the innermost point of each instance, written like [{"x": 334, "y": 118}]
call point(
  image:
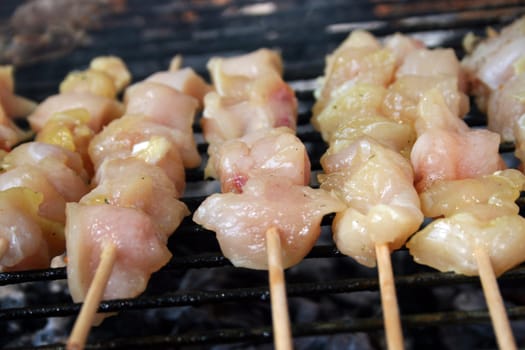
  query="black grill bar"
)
[
  {"x": 264, "y": 334},
  {"x": 195, "y": 298}
]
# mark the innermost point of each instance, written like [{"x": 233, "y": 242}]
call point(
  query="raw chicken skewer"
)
[
  {"x": 362, "y": 165},
  {"x": 54, "y": 172},
  {"x": 481, "y": 219},
  {"x": 263, "y": 169},
  {"x": 140, "y": 178}
]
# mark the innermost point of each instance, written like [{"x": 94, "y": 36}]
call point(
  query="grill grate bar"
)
[
  {"x": 264, "y": 334},
  {"x": 195, "y": 298}
]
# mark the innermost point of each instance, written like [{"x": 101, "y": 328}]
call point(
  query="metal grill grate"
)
[{"x": 146, "y": 35}]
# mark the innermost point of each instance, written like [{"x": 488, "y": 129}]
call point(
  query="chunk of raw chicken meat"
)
[
  {"x": 63, "y": 168},
  {"x": 184, "y": 80},
  {"x": 269, "y": 103},
  {"x": 101, "y": 109},
  {"x": 53, "y": 205},
  {"x": 449, "y": 244},
  {"x": 241, "y": 220},
  {"x": 276, "y": 152},
  {"x": 505, "y": 105},
  {"x": 161, "y": 104},
  {"x": 140, "y": 249},
  {"x": 359, "y": 100},
  {"x": 376, "y": 184},
  {"x": 136, "y": 134},
  {"x": 133, "y": 183},
  {"x": 485, "y": 197},
  {"x": 447, "y": 149},
  {"x": 32, "y": 240}
]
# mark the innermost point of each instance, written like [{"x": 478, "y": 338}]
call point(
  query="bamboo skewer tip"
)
[
  {"x": 4, "y": 246},
  {"x": 280, "y": 317},
  {"x": 84, "y": 321},
  {"x": 497, "y": 311},
  {"x": 391, "y": 319}
]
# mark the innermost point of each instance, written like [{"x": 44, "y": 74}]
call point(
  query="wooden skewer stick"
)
[
  {"x": 78, "y": 337},
  {"x": 394, "y": 334},
  {"x": 4, "y": 246},
  {"x": 280, "y": 319},
  {"x": 497, "y": 311}
]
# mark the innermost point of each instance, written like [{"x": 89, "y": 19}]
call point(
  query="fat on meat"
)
[
  {"x": 241, "y": 220},
  {"x": 276, "y": 152}
]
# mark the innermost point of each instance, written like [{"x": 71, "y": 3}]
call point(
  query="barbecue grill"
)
[{"x": 199, "y": 299}]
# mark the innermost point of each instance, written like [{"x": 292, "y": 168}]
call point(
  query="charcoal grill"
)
[{"x": 199, "y": 300}]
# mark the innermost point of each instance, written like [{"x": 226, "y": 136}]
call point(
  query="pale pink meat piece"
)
[
  {"x": 161, "y": 104},
  {"x": 276, "y": 152},
  {"x": 433, "y": 63},
  {"x": 101, "y": 109},
  {"x": 485, "y": 197},
  {"x": 140, "y": 249},
  {"x": 449, "y": 244},
  {"x": 62, "y": 168},
  {"x": 53, "y": 206},
  {"x": 505, "y": 105},
  {"x": 184, "y": 80},
  {"x": 120, "y": 137},
  {"x": 267, "y": 102},
  {"x": 404, "y": 94},
  {"x": 382, "y": 205},
  {"x": 241, "y": 220},
  {"x": 133, "y": 183},
  {"x": 401, "y": 45},
  {"x": 31, "y": 240},
  {"x": 491, "y": 62},
  {"x": 447, "y": 149}
]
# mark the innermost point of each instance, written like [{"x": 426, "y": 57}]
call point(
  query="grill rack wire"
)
[{"x": 146, "y": 35}]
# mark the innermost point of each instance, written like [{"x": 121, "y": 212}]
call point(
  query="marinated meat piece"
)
[
  {"x": 277, "y": 152},
  {"x": 53, "y": 205},
  {"x": 376, "y": 184},
  {"x": 449, "y": 244},
  {"x": 154, "y": 143},
  {"x": 133, "y": 183},
  {"x": 269, "y": 103},
  {"x": 63, "y": 168},
  {"x": 101, "y": 109},
  {"x": 185, "y": 80},
  {"x": 241, "y": 220},
  {"x": 140, "y": 249},
  {"x": 485, "y": 197},
  {"x": 447, "y": 149},
  {"x": 32, "y": 240}
]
